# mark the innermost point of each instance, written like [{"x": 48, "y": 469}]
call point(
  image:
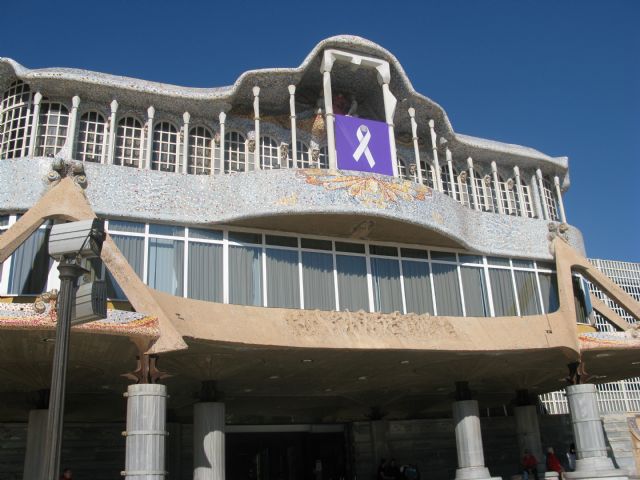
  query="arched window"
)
[
  {"x": 235, "y": 159},
  {"x": 201, "y": 149},
  {"x": 525, "y": 210},
  {"x": 92, "y": 133},
  {"x": 304, "y": 155},
  {"x": 52, "y": 128},
  {"x": 165, "y": 147},
  {"x": 129, "y": 143},
  {"x": 465, "y": 192},
  {"x": 269, "y": 153},
  {"x": 509, "y": 195},
  {"x": 448, "y": 183},
  {"x": 404, "y": 170},
  {"x": 323, "y": 157},
  {"x": 550, "y": 199},
  {"x": 427, "y": 173},
  {"x": 15, "y": 114},
  {"x": 484, "y": 192}
]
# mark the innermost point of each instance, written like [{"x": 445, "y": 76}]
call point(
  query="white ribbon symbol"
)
[{"x": 364, "y": 135}]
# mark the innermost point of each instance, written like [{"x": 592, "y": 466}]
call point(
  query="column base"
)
[
  {"x": 596, "y": 467},
  {"x": 474, "y": 473}
]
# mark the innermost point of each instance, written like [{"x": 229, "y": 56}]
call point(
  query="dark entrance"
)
[{"x": 285, "y": 456}]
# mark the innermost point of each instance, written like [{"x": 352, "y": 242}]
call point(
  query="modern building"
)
[{"x": 308, "y": 271}]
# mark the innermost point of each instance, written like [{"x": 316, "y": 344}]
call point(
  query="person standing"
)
[
  {"x": 553, "y": 463},
  {"x": 571, "y": 458},
  {"x": 529, "y": 465}
]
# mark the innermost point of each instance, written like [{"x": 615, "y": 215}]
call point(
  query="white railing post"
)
[
  {"x": 452, "y": 179},
  {"x": 390, "y": 103},
  {"x": 535, "y": 195},
  {"x": 472, "y": 179},
  {"x": 73, "y": 126},
  {"x": 222, "y": 118},
  {"x": 37, "y": 99},
  {"x": 414, "y": 137},
  {"x": 186, "y": 119},
  {"x": 325, "y": 68},
  {"x": 434, "y": 149},
  {"x": 496, "y": 183},
  {"x": 556, "y": 182},
  {"x": 545, "y": 207},
  {"x": 256, "y": 116},
  {"x": 294, "y": 140},
  {"x": 151, "y": 113},
  {"x": 113, "y": 127},
  {"x": 520, "y": 192}
]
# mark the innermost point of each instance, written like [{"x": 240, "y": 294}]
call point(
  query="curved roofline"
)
[{"x": 226, "y": 94}]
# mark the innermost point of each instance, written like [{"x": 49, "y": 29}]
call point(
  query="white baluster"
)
[
  {"x": 452, "y": 179},
  {"x": 325, "y": 68},
  {"x": 151, "y": 113},
  {"x": 472, "y": 179},
  {"x": 434, "y": 148},
  {"x": 186, "y": 118},
  {"x": 414, "y": 137},
  {"x": 294, "y": 141},
  {"x": 73, "y": 126},
  {"x": 256, "y": 116},
  {"x": 113, "y": 126},
  {"x": 520, "y": 192},
  {"x": 496, "y": 184},
  {"x": 37, "y": 99},
  {"x": 222, "y": 117}
]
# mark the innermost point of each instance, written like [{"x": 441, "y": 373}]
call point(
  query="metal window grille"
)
[
  {"x": 15, "y": 116},
  {"x": 52, "y": 128},
  {"x": 165, "y": 148},
  {"x": 201, "y": 148},
  {"x": 235, "y": 159},
  {"x": 129, "y": 143},
  {"x": 92, "y": 133}
]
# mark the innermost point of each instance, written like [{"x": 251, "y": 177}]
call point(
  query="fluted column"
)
[
  {"x": 146, "y": 432},
  {"x": 294, "y": 140},
  {"x": 472, "y": 179},
  {"x": 222, "y": 118},
  {"x": 520, "y": 192},
  {"x": 186, "y": 119},
  {"x": 151, "y": 113},
  {"x": 256, "y": 116},
  {"x": 528, "y": 431},
  {"x": 556, "y": 182},
  {"x": 466, "y": 419},
  {"x": 436, "y": 163},
  {"x": 209, "y": 441},
  {"x": 73, "y": 126},
  {"x": 113, "y": 127},
  {"x": 414, "y": 137},
  {"x": 592, "y": 461},
  {"x": 496, "y": 183},
  {"x": 543, "y": 199},
  {"x": 37, "y": 100}
]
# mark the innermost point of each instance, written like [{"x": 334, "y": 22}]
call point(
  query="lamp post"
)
[{"x": 72, "y": 244}]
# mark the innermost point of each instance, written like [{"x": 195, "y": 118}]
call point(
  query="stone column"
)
[
  {"x": 72, "y": 134},
  {"x": 113, "y": 128},
  {"x": 474, "y": 189},
  {"x": 256, "y": 117},
  {"x": 186, "y": 118},
  {"x": 436, "y": 163},
  {"x": 469, "y": 442},
  {"x": 222, "y": 119},
  {"x": 543, "y": 198},
  {"x": 520, "y": 192},
  {"x": 496, "y": 184},
  {"x": 36, "y": 433},
  {"x": 37, "y": 100},
  {"x": 146, "y": 432},
  {"x": 390, "y": 103},
  {"x": 151, "y": 113},
  {"x": 528, "y": 431},
  {"x": 556, "y": 182},
  {"x": 452, "y": 178},
  {"x": 592, "y": 461},
  {"x": 294, "y": 141},
  {"x": 208, "y": 441},
  {"x": 414, "y": 138}
]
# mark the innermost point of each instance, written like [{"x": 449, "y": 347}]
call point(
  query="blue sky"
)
[{"x": 559, "y": 76}]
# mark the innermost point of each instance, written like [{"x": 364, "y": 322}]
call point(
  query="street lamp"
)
[{"x": 73, "y": 245}]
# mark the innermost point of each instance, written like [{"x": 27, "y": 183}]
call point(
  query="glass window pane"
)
[
  {"x": 283, "y": 287},
  {"x": 122, "y": 226},
  {"x": 500, "y": 261},
  {"x": 244, "y": 237},
  {"x": 449, "y": 257},
  {"x": 387, "y": 294},
  {"x": 166, "y": 265},
  {"x": 447, "y": 289},
  {"x": 414, "y": 253},
  {"x": 170, "y": 230},
  {"x": 352, "y": 283},
  {"x": 527, "y": 293},
  {"x": 474, "y": 286},
  {"x": 349, "y": 247},
  {"x": 549, "y": 288},
  {"x": 205, "y": 234},
  {"x": 518, "y": 262},
  {"x": 504, "y": 301},
  {"x": 383, "y": 250},
  {"x": 4, "y": 220},
  {"x": 316, "y": 244},
  {"x": 245, "y": 275},
  {"x": 417, "y": 287},
  {"x": 470, "y": 258},
  {"x": 30, "y": 265},
  {"x": 317, "y": 277},
  {"x": 281, "y": 241},
  {"x": 133, "y": 250},
  {"x": 205, "y": 271}
]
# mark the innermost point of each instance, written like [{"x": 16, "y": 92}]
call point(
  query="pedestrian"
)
[
  {"x": 67, "y": 474},
  {"x": 529, "y": 465},
  {"x": 553, "y": 463},
  {"x": 571, "y": 458},
  {"x": 381, "y": 469}
]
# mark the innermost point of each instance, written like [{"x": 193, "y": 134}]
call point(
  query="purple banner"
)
[{"x": 363, "y": 145}]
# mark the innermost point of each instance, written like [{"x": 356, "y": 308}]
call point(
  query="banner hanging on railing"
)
[{"x": 363, "y": 145}]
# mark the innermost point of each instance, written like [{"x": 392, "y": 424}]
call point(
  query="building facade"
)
[{"x": 283, "y": 316}]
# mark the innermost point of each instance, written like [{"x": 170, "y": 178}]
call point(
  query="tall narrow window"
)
[
  {"x": 133, "y": 250},
  {"x": 323, "y": 158},
  {"x": 528, "y": 298},
  {"x": 15, "y": 115},
  {"x": 549, "y": 288},
  {"x": 91, "y": 136},
  {"x": 474, "y": 286},
  {"x": 448, "y": 183},
  {"x": 509, "y": 193},
  {"x": 427, "y": 173},
  {"x": 304, "y": 155},
  {"x": 234, "y": 153},
  {"x": 165, "y": 148},
  {"x": 504, "y": 300},
  {"x": 550, "y": 198},
  {"x": 387, "y": 295},
  {"x": 245, "y": 275},
  {"x": 317, "y": 278},
  {"x": 484, "y": 192},
  {"x": 404, "y": 170},
  {"x": 205, "y": 270},
  {"x": 352, "y": 283},
  {"x": 129, "y": 143},
  {"x": 269, "y": 153},
  {"x": 283, "y": 285},
  {"x": 447, "y": 289},
  {"x": 52, "y": 128},
  {"x": 201, "y": 146},
  {"x": 525, "y": 209},
  {"x": 464, "y": 188},
  {"x": 30, "y": 265},
  {"x": 417, "y": 287},
  {"x": 165, "y": 271}
]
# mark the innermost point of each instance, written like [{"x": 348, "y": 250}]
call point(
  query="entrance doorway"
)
[{"x": 285, "y": 456}]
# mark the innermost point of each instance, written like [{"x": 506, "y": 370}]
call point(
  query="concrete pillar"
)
[
  {"x": 72, "y": 134},
  {"x": 36, "y": 434},
  {"x": 469, "y": 442},
  {"x": 294, "y": 141},
  {"x": 414, "y": 138},
  {"x": 208, "y": 441},
  {"x": 113, "y": 128},
  {"x": 146, "y": 432},
  {"x": 37, "y": 100},
  {"x": 592, "y": 461},
  {"x": 256, "y": 116},
  {"x": 151, "y": 113},
  {"x": 186, "y": 118},
  {"x": 528, "y": 431},
  {"x": 434, "y": 147}
]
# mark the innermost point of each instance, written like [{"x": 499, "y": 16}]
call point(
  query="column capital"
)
[
  {"x": 151, "y": 112},
  {"x": 256, "y": 91},
  {"x": 494, "y": 167},
  {"x": 412, "y": 112},
  {"x": 516, "y": 171},
  {"x": 37, "y": 98},
  {"x": 222, "y": 117},
  {"x": 292, "y": 89},
  {"x": 186, "y": 117},
  {"x": 75, "y": 101},
  {"x": 114, "y": 106}
]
